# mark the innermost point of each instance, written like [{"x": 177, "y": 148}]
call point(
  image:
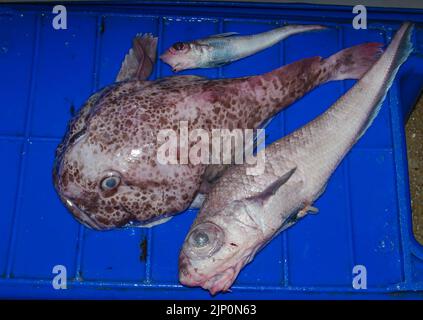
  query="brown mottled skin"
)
[{"x": 115, "y": 133}]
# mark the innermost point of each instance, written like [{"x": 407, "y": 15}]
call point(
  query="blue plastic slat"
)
[
  {"x": 113, "y": 255},
  {"x": 46, "y": 232},
  {"x": 167, "y": 240},
  {"x": 16, "y": 49},
  {"x": 321, "y": 243},
  {"x": 266, "y": 269},
  {"x": 64, "y": 71},
  {"x": 375, "y": 218},
  {"x": 10, "y": 151}
]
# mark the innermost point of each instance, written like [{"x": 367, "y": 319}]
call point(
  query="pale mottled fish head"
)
[
  {"x": 182, "y": 55},
  {"x": 218, "y": 247},
  {"x": 88, "y": 184},
  {"x": 96, "y": 171}
]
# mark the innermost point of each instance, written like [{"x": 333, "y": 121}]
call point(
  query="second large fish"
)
[{"x": 242, "y": 213}]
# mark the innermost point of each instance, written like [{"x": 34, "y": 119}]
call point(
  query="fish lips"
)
[
  {"x": 81, "y": 215},
  {"x": 220, "y": 281},
  {"x": 167, "y": 58}
]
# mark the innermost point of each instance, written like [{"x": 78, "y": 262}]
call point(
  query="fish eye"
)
[
  {"x": 204, "y": 240},
  {"x": 178, "y": 46},
  {"x": 110, "y": 183},
  {"x": 200, "y": 239}
]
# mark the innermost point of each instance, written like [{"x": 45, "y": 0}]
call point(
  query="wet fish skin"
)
[
  {"x": 115, "y": 135},
  {"x": 245, "y": 212},
  {"x": 224, "y": 48}
]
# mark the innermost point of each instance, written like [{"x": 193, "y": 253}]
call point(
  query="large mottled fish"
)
[
  {"x": 242, "y": 213},
  {"x": 107, "y": 172},
  {"x": 221, "y": 49}
]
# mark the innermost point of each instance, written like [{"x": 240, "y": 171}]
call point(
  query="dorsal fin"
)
[
  {"x": 222, "y": 35},
  {"x": 139, "y": 61}
]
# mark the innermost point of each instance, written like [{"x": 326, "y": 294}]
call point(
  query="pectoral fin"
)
[
  {"x": 263, "y": 196},
  {"x": 307, "y": 209},
  {"x": 292, "y": 219}
]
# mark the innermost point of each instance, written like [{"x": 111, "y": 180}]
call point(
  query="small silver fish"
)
[
  {"x": 242, "y": 213},
  {"x": 221, "y": 49}
]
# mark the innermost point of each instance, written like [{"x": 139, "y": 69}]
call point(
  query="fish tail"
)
[
  {"x": 294, "y": 29},
  {"x": 399, "y": 50},
  {"x": 353, "y": 62}
]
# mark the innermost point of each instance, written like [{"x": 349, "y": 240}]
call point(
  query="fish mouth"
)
[
  {"x": 166, "y": 59},
  {"x": 81, "y": 215},
  {"x": 220, "y": 281}
]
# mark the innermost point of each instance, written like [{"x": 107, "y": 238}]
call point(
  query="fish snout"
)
[
  {"x": 169, "y": 59},
  {"x": 190, "y": 276},
  {"x": 166, "y": 57},
  {"x": 220, "y": 282}
]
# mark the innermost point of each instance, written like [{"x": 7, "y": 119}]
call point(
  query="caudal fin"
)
[
  {"x": 395, "y": 55},
  {"x": 139, "y": 62},
  {"x": 353, "y": 62}
]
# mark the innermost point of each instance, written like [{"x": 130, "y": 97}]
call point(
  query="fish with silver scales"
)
[
  {"x": 242, "y": 213},
  {"x": 222, "y": 49}
]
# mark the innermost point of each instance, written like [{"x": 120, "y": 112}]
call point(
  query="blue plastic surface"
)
[{"x": 364, "y": 217}]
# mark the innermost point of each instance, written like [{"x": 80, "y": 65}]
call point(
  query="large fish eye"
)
[
  {"x": 110, "y": 183},
  {"x": 178, "y": 46},
  {"x": 200, "y": 239},
  {"x": 204, "y": 240}
]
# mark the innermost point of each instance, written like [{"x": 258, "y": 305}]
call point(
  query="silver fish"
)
[
  {"x": 221, "y": 49},
  {"x": 107, "y": 172},
  {"x": 242, "y": 213}
]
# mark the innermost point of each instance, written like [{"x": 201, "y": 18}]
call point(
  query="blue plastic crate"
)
[{"x": 364, "y": 217}]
